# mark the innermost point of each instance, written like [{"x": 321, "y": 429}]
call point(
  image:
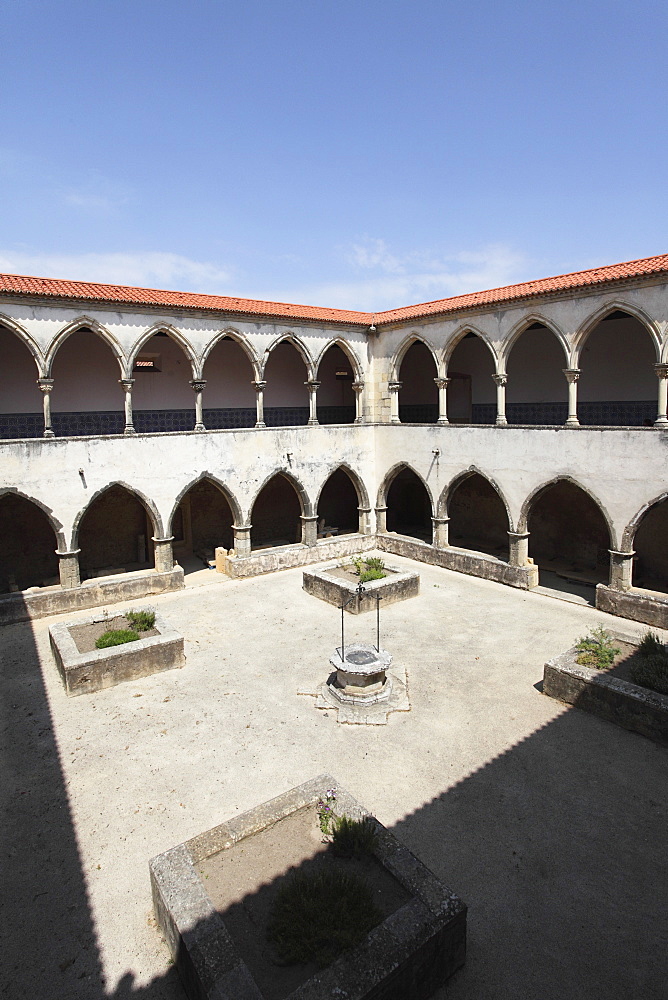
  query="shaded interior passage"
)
[
  {"x": 569, "y": 535},
  {"x": 337, "y": 506},
  {"x": 537, "y": 390},
  {"x": 115, "y": 534},
  {"x": 275, "y": 517},
  {"x": 471, "y": 391},
  {"x": 286, "y": 396},
  {"x": 86, "y": 397},
  {"x": 202, "y": 522},
  {"x": 162, "y": 397},
  {"x": 409, "y": 506},
  {"x": 336, "y": 398},
  {"x": 229, "y": 396},
  {"x": 28, "y": 546},
  {"x": 618, "y": 385},
  {"x": 418, "y": 396},
  {"x": 478, "y": 517},
  {"x": 21, "y": 413},
  {"x": 650, "y": 566}
]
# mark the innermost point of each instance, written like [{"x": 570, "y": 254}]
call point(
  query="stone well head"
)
[{"x": 361, "y": 674}]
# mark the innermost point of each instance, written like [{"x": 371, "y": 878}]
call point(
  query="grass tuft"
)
[
  {"x": 141, "y": 621},
  {"x": 116, "y": 637},
  {"x": 596, "y": 649},
  {"x": 354, "y": 838}
]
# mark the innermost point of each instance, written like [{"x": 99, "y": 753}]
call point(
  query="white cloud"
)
[{"x": 151, "y": 270}]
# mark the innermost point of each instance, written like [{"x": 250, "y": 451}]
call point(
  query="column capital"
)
[
  {"x": 162, "y": 541},
  {"x": 518, "y": 534},
  {"x": 45, "y": 384},
  {"x": 440, "y": 520},
  {"x": 394, "y": 386},
  {"x": 127, "y": 383},
  {"x": 69, "y": 554},
  {"x": 313, "y": 384},
  {"x": 308, "y": 517},
  {"x": 198, "y": 384},
  {"x": 259, "y": 385},
  {"x": 661, "y": 370},
  {"x": 572, "y": 374},
  {"x": 622, "y": 555},
  {"x": 442, "y": 383},
  {"x": 501, "y": 379},
  {"x": 357, "y": 386},
  {"x": 380, "y": 508}
]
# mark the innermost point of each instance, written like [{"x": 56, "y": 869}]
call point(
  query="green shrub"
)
[
  {"x": 354, "y": 838},
  {"x": 372, "y": 568},
  {"x": 652, "y": 672},
  {"x": 375, "y": 562},
  {"x": 596, "y": 649},
  {"x": 141, "y": 621},
  {"x": 316, "y": 917},
  {"x": 371, "y": 574},
  {"x": 116, "y": 637},
  {"x": 651, "y": 645}
]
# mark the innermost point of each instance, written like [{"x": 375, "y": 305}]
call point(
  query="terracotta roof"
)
[{"x": 87, "y": 291}]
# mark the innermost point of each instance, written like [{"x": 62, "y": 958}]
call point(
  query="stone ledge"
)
[
  {"x": 406, "y": 957},
  {"x": 459, "y": 560},
  {"x": 638, "y": 605},
  {"x": 628, "y": 705}
]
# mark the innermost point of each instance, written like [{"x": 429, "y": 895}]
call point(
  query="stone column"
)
[
  {"x": 126, "y": 384},
  {"x": 621, "y": 570},
  {"x": 442, "y": 384},
  {"x": 198, "y": 386},
  {"x": 259, "y": 402},
  {"x": 313, "y": 387},
  {"x": 309, "y": 528},
  {"x": 662, "y": 375},
  {"x": 46, "y": 385},
  {"x": 572, "y": 376},
  {"x": 381, "y": 519},
  {"x": 358, "y": 389},
  {"x": 519, "y": 548},
  {"x": 364, "y": 521},
  {"x": 163, "y": 554},
  {"x": 68, "y": 567},
  {"x": 394, "y": 388},
  {"x": 440, "y": 532},
  {"x": 501, "y": 382},
  {"x": 242, "y": 539}
]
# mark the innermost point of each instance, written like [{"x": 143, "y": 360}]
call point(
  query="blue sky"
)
[{"x": 353, "y": 153}]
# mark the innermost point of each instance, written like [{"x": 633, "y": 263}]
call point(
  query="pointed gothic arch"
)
[
  {"x": 478, "y": 512},
  {"x": 470, "y": 362},
  {"x": 277, "y": 509},
  {"x": 115, "y": 530},
  {"x": 202, "y": 519},
  {"x": 29, "y": 538},
  {"x": 647, "y": 535},
  {"x": 409, "y": 502},
  {"x": 339, "y": 498}
]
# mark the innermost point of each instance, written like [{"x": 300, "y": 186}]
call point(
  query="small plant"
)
[
  {"x": 141, "y": 621},
  {"x": 596, "y": 649},
  {"x": 372, "y": 568},
  {"x": 651, "y": 645},
  {"x": 116, "y": 637},
  {"x": 316, "y": 917},
  {"x": 354, "y": 838},
  {"x": 652, "y": 672},
  {"x": 325, "y": 809},
  {"x": 375, "y": 562}
]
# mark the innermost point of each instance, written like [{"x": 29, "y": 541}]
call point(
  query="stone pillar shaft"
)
[
  {"x": 46, "y": 385},
  {"x": 662, "y": 375},
  {"x": 381, "y": 519},
  {"x": 313, "y": 387},
  {"x": 309, "y": 528},
  {"x": 127, "y": 384},
  {"x": 519, "y": 548},
  {"x": 68, "y": 568},
  {"x": 621, "y": 569},
  {"x": 259, "y": 403},
  {"x": 163, "y": 554},
  {"x": 442, "y": 384},
  {"x": 394, "y": 388},
  {"x": 242, "y": 540},
  {"x": 501, "y": 382},
  {"x": 358, "y": 389},
  {"x": 198, "y": 386},
  {"x": 440, "y": 532},
  {"x": 572, "y": 376}
]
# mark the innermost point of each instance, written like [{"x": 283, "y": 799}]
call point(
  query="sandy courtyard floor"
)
[{"x": 550, "y": 823}]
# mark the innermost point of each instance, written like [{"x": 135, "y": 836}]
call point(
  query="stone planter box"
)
[
  {"x": 407, "y": 956},
  {"x": 619, "y": 701},
  {"x": 103, "y": 668},
  {"x": 328, "y": 586}
]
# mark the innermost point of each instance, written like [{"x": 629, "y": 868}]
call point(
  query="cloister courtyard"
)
[{"x": 550, "y": 823}]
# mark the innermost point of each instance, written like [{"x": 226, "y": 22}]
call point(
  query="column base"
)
[
  {"x": 572, "y": 422},
  {"x": 313, "y": 423},
  {"x": 501, "y": 422},
  {"x": 259, "y": 424},
  {"x": 199, "y": 428},
  {"x": 442, "y": 421},
  {"x": 48, "y": 434},
  {"x": 129, "y": 430},
  {"x": 661, "y": 422}
]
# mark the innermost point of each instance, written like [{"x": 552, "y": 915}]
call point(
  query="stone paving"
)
[{"x": 550, "y": 823}]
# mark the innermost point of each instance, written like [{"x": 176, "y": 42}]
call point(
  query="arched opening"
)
[
  {"x": 21, "y": 413},
  {"x": 275, "y": 517},
  {"x": 409, "y": 506},
  {"x": 617, "y": 384},
  {"x": 115, "y": 534},
  {"x": 471, "y": 390},
  {"x": 336, "y": 398},
  {"x": 28, "y": 546},
  {"x": 337, "y": 506},
  {"x": 202, "y": 522},
  {"x": 86, "y": 396},
  {"x": 162, "y": 398},
  {"x": 286, "y": 397},
  {"x": 537, "y": 390},
  {"x": 418, "y": 396},
  {"x": 229, "y": 394},
  {"x": 569, "y": 540},
  {"x": 478, "y": 517},
  {"x": 650, "y": 566}
]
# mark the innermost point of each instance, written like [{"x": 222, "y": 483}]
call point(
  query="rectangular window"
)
[{"x": 146, "y": 363}]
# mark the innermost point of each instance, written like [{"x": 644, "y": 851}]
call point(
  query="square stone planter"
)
[
  {"x": 83, "y": 673},
  {"x": 407, "y": 956},
  {"x": 620, "y": 701},
  {"x": 329, "y": 585}
]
